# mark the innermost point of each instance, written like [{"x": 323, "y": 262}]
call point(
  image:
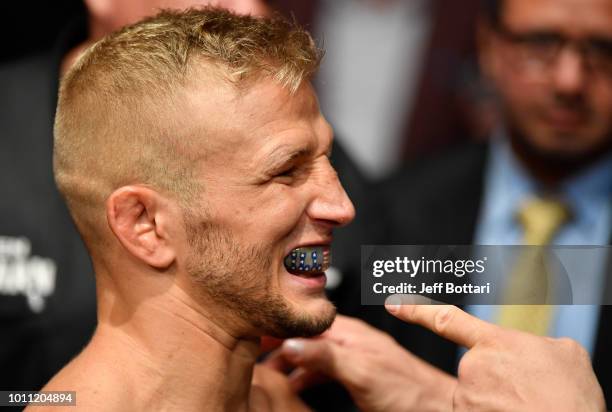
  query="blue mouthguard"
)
[{"x": 308, "y": 260}]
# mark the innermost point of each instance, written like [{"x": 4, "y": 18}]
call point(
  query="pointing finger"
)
[{"x": 447, "y": 321}]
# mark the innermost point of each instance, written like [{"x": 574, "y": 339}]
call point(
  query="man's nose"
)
[
  {"x": 331, "y": 204},
  {"x": 569, "y": 74}
]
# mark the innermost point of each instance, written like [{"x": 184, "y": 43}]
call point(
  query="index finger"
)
[{"x": 447, "y": 321}]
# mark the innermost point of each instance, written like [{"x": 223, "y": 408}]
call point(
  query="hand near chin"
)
[
  {"x": 504, "y": 370},
  {"x": 508, "y": 370},
  {"x": 380, "y": 375},
  {"x": 272, "y": 392}
]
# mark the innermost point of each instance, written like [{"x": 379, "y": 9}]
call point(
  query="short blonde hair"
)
[{"x": 114, "y": 118}]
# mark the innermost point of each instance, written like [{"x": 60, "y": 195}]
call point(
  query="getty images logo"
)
[{"x": 22, "y": 274}]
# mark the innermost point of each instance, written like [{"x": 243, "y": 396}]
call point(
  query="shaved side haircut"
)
[{"x": 118, "y": 116}]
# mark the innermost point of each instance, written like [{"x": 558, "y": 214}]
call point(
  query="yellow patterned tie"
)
[{"x": 529, "y": 280}]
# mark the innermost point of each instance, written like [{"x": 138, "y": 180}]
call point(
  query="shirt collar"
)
[{"x": 510, "y": 183}]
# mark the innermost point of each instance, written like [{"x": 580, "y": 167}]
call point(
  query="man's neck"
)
[
  {"x": 189, "y": 361},
  {"x": 164, "y": 351}
]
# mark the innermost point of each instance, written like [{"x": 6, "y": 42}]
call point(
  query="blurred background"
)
[
  {"x": 34, "y": 26},
  {"x": 400, "y": 85},
  {"x": 399, "y": 79}
]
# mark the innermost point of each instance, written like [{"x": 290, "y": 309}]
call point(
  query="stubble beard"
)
[{"x": 239, "y": 278}]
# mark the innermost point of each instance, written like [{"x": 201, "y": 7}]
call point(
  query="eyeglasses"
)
[{"x": 540, "y": 50}]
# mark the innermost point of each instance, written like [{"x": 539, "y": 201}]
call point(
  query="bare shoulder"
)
[{"x": 97, "y": 383}]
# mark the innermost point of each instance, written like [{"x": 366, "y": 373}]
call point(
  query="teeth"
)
[{"x": 307, "y": 260}]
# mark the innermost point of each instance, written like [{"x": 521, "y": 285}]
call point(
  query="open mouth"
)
[{"x": 308, "y": 261}]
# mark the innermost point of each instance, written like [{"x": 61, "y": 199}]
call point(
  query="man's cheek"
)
[
  {"x": 601, "y": 116},
  {"x": 288, "y": 207},
  {"x": 525, "y": 110}
]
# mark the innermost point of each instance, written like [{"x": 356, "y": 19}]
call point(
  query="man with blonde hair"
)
[{"x": 194, "y": 160}]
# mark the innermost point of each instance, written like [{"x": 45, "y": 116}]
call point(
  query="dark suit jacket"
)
[{"x": 437, "y": 201}]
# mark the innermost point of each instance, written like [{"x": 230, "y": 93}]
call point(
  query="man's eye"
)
[
  {"x": 600, "y": 48},
  {"x": 287, "y": 173}
]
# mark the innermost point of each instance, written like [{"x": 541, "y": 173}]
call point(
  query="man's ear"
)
[{"x": 138, "y": 216}]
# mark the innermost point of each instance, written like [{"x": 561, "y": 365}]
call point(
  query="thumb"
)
[
  {"x": 318, "y": 355},
  {"x": 301, "y": 379},
  {"x": 277, "y": 361}
]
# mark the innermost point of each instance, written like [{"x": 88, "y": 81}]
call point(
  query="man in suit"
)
[{"x": 551, "y": 64}]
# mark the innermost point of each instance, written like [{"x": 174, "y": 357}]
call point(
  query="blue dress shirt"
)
[{"x": 589, "y": 195}]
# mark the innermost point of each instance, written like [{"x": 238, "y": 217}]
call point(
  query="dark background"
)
[{"x": 29, "y": 26}]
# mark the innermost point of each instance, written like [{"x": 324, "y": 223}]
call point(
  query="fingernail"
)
[
  {"x": 293, "y": 347},
  {"x": 392, "y": 304}
]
